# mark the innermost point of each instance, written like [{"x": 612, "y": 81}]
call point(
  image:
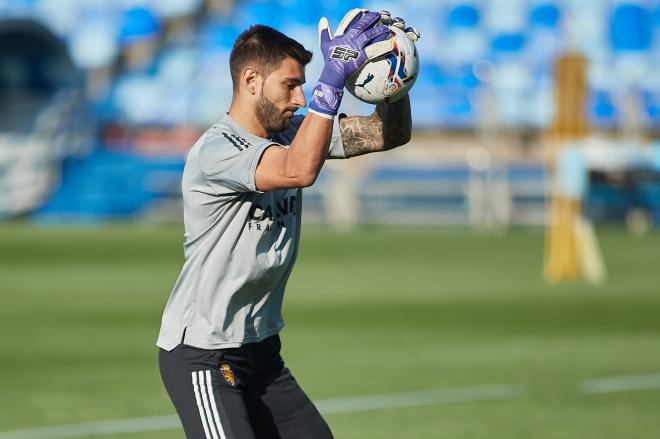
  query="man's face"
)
[{"x": 281, "y": 95}]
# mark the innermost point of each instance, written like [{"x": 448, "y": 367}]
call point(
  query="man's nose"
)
[{"x": 299, "y": 97}]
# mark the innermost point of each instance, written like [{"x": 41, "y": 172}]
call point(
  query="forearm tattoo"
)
[
  {"x": 361, "y": 134},
  {"x": 388, "y": 127}
]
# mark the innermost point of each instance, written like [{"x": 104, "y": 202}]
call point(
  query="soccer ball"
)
[{"x": 388, "y": 77}]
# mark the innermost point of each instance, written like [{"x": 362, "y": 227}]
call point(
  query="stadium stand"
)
[
  {"x": 153, "y": 76},
  {"x": 520, "y": 38}
]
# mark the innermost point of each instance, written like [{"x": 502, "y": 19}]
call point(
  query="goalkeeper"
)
[{"x": 219, "y": 344}]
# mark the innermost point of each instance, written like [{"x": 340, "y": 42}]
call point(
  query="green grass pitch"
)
[{"x": 367, "y": 312}]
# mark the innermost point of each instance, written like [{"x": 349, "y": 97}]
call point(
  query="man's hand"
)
[
  {"x": 411, "y": 32},
  {"x": 390, "y": 125},
  {"x": 344, "y": 54}
]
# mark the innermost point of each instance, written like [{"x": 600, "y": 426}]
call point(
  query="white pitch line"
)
[
  {"x": 419, "y": 398},
  {"x": 118, "y": 426},
  {"x": 329, "y": 406},
  {"x": 621, "y": 383},
  {"x": 343, "y": 405}
]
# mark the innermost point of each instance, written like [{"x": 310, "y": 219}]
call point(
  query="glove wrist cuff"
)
[{"x": 326, "y": 99}]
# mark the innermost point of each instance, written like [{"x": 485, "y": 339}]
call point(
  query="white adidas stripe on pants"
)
[{"x": 208, "y": 410}]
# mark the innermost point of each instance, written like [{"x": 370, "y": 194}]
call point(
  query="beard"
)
[{"x": 271, "y": 117}]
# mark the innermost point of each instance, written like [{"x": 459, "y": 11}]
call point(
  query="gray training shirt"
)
[{"x": 239, "y": 244}]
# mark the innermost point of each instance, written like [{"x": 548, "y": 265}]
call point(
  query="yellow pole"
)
[{"x": 570, "y": 123}]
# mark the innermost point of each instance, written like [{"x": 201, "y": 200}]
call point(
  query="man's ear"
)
[{"x": 251, "y": 80}]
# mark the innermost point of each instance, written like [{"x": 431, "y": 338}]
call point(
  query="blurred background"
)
[
  {"x": 102, "y": 99},
  {"x": 473, "y": 249}
]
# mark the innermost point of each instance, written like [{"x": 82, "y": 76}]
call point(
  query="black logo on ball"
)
[{"x": 344, "y": 53}]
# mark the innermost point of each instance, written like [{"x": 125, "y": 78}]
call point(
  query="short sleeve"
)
[
  {"x": 228, "y": 161},
  {"x": 336, "y": 149}
]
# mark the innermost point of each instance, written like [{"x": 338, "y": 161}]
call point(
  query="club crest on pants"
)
[{"x": 227, "y": 373}]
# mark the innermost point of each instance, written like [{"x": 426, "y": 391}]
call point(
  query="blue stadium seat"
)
[
  {"x": 508, "y": 43},
  {"x": 545, "y": 15},
  {"x": 602, "y": 108},
  {"x": 463, "y": 16},
  {"x": 651, "y": 102},
  {"x": 446, "y": 77},
  {"x": 430, "y": 74},
  {"x": 630, "y": 28},
  {"x": 138, "y": 23}
]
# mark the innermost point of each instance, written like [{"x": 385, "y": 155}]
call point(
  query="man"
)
[{"x": 219, "y": 343}]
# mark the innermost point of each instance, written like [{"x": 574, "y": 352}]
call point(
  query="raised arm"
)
[
  {"x": 298, "y": 165},
  {"x": 388, "y": 127},
  {"x": 343, "y": 54}
]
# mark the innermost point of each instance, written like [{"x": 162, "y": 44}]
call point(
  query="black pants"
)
[{"x": 240, "y": 393}]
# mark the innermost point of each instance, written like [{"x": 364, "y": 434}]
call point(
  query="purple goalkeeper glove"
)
[{"x": 344, "y": 54}]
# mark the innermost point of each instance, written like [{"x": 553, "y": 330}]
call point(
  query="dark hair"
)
[{"x": 264, "y": 48}]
